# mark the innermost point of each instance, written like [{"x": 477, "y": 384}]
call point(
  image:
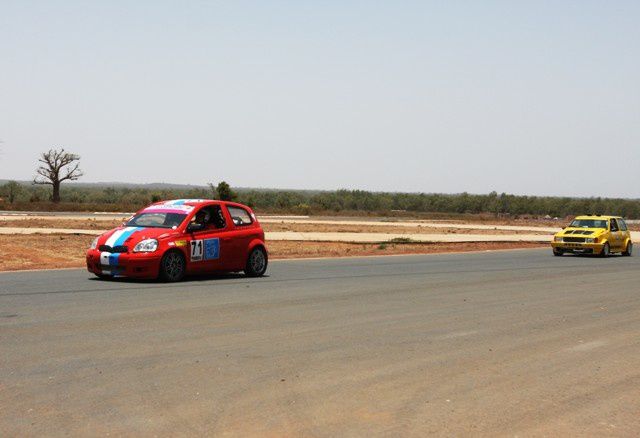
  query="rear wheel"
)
[
  {"x": 557, "y": 252},
  {"x": 256, "y": 262},
  {"x": 629, "y": 250},
  {"x": 172, "y": 266},
  {"x": 606, "y": 250}
]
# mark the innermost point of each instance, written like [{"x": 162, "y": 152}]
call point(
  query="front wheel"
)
[
  {"x": 256, "y": 262},
  {"x": 606, "y": 250},
  {"x": 557, "y": 252},
  {"x": 172, "y": 266},
  {"x": 629, "y": 250}
]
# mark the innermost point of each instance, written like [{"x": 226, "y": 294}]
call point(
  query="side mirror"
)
[{"x": 194, "y": 227}]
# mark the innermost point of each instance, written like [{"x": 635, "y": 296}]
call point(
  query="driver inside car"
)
[{"x": 202, "y": 218}]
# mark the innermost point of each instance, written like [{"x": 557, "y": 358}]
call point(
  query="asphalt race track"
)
[{"x": 500, "y": 343}]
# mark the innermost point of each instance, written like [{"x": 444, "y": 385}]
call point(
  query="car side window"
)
[
  {"x": 240, "y": 216},
  {"x": 210, "y": 217},
  {"x": 614, "y": 225},
  {"x": 622, "y": 224}
]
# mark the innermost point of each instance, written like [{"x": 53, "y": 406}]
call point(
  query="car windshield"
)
[
  {"x": 157, "y": 220},
  {"x": 589, "y": 223}
]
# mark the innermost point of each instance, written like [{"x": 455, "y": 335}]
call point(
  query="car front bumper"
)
[
  {"x": 577, "y": 247},
  {"x": 134, "y": 265}
]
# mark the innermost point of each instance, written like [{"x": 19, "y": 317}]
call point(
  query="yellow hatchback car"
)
[{"x": 600, "y": 235}]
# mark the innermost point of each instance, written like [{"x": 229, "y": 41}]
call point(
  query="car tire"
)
[
  {"x": 606, "y": 250},
  {"x": 256, "y": 262},
  {"x": 629, "y": 250},
  {"x": 104, "y": 276},
  {"x": 558, "y": 252},
  {"x": 173, "y": 266}
]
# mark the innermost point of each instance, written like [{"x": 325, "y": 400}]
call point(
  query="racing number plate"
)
[{"x": 197, "y": 249}]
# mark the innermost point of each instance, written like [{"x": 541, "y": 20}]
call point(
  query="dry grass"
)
[
  {"x": 106, "y": 224},
  {"x": 39, "y": 251}
]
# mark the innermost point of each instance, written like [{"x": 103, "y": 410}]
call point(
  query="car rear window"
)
[{"x": 240, "y": 216}]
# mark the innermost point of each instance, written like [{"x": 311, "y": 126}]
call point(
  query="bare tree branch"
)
[{"x": 72, "y": 174}]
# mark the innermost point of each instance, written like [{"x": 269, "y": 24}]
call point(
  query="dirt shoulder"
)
[
  {"x": 420, "y": 229},
  {"x": 287, "y": 250},
  {"x": 39, "y": 251},
  {"x": 52, "y": 251}
]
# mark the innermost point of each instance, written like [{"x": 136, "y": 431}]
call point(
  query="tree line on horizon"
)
[
  {"x": 32, "y": 197},
  {"x": 57, "y": 166}
]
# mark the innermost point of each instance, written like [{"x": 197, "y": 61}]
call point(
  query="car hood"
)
[
  {"x": 130, "y": 236},
  {"x": 581, "y": 232}
]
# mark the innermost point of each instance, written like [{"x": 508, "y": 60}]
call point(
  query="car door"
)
[
  {"x": 244, "y": 230},
  {"x": 624, "y": 232},
  {"x": 616, "y": 235},
  {"x": 208, "y": 248}
]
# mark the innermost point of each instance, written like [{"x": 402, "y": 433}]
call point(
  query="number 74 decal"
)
[{"x": 207, "y": 249}]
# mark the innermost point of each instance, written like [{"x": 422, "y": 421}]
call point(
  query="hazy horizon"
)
[{"x": 532, "y": 99}]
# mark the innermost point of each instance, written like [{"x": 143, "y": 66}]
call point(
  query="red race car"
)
[{"x": 170, "y": 239}]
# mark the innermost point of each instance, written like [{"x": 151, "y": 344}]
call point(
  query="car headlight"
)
[
  {"x": 147, "y": 245},
  {"x": 94, "y": 244},
  {"x": 558, "y": 238},
  {"x": 589, "y": 240}
]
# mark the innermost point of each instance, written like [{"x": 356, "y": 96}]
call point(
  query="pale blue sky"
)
[{"x": 523, "y": 97}]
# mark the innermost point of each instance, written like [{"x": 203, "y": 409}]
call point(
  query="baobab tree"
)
[{"x": 57, "y": 166}]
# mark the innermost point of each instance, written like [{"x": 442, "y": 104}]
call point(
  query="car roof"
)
[
  {"x": 196, "y": 202},
  {"x": 594, "y": 216}
]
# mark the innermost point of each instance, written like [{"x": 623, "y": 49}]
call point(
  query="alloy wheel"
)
[
  {"x": 257, "y": 261},
  {"x": 173, "y": 266}
]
